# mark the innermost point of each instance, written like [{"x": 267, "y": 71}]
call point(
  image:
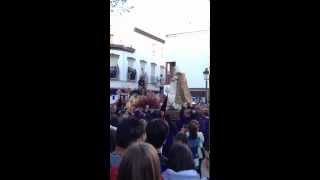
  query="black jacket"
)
[{"x": 163, "y": 162}]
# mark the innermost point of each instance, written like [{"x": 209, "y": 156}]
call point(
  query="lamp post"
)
[{"x": 206, "y": 78}]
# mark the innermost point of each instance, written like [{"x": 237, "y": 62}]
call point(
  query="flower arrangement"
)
[
  {"x": 152, "y": 100},
  {"x": 141, "y": 101}
]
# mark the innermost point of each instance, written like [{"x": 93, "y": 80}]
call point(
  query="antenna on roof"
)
[{"x": 176, "y": 34}]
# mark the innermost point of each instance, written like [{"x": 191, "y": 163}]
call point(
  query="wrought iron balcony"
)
[
  {"x": 114, "y": 72},
  {"x": 132, "y": 74}
]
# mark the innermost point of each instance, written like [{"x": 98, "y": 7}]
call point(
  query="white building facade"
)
[{"x": 132, "y": 53}]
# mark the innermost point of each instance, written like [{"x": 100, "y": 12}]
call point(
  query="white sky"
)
[{"x": 161, "y": 17}]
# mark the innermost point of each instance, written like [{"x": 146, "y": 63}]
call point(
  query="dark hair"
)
[
  {"x": 193, "y": 129},
  {"x": 155, "y": 114},
  {"x": 130, "y": 130},
  {"x": 180, "y": 157},
  {"x": 114, "y": 120},
  {"x": 140, "y": 162},
  {"x": 113, "y": 133},
  {"x": 181, "y": 137},
  {"x": 157, "y": 132}
]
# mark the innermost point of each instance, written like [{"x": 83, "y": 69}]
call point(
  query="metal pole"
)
[{"x": 206, "y": 91}]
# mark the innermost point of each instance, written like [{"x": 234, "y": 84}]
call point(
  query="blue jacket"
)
[{"x": 169, "y": 174}]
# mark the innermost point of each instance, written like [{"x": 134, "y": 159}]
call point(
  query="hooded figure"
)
[{"x": 163, "y": 108}]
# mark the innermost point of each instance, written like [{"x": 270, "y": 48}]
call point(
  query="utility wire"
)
[{"x": 175, "y": 34}]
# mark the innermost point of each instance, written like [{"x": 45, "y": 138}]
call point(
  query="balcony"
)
[
  {"x": 114, "y": 73},
  {"x": 132, "y": 74},
  {"x": 121, "y": 47}
]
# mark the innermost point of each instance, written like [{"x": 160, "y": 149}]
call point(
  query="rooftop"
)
[{"x": 137, "y": 30}]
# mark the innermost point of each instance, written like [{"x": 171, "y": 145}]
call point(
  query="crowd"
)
[{"x": 148, "y": 144}]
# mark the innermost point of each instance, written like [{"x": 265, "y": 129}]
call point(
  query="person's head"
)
[
  {"x": 114, "y": 119},
  {"x": 112, "y": 139},
  {"x": 140, "y": 162},
  {"x": 193, "y": 128},
  {"x": 137, "y": 113},
  {"x": 129, "y": 131},
  {"x": 181, "y": 138},
  {"x": 204, "y": 112},
  {"x": 180, "y": 157},
  {"x": 157, "y": 132},
  {"x": 158, "y": 114}
]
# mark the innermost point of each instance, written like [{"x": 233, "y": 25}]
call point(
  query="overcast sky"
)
[{"x": 161, "y": 17}]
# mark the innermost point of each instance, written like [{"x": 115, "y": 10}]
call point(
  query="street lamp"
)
[{"x": 206, "y": 78}]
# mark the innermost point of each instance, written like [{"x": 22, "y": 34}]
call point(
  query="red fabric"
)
[{"x": 113, "y": 173}]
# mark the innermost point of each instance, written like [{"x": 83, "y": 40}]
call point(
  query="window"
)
[
  {"x": 132, "y": 72},
  {"x": 114, "y": 68},
  {"x": 153, "y": 73}
]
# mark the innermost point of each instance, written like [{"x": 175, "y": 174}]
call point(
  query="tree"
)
[{"x": 120, "y": 6}]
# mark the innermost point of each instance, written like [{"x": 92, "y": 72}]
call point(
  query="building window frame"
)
[
  {"x": 114, "y": 69},
  {"x": 131, "y": 71}
]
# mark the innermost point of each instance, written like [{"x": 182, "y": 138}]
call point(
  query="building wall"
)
[
  {"x": 123, "y": 68},
  {"x": 146, "y": 49},
  {"x": 198, "y": 93}
]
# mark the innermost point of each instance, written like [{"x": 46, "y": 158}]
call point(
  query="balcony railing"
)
[
  {"x": 132, "y": 74},
  {"x": 114, "y": 72}
]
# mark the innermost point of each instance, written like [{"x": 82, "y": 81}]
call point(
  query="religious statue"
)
[{"x": 178, "y": 91}]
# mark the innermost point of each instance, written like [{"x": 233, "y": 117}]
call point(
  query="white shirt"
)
[{"x": 197, "y": 161}]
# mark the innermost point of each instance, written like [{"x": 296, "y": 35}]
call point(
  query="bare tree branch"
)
[{"x": 119, "y": 6}]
